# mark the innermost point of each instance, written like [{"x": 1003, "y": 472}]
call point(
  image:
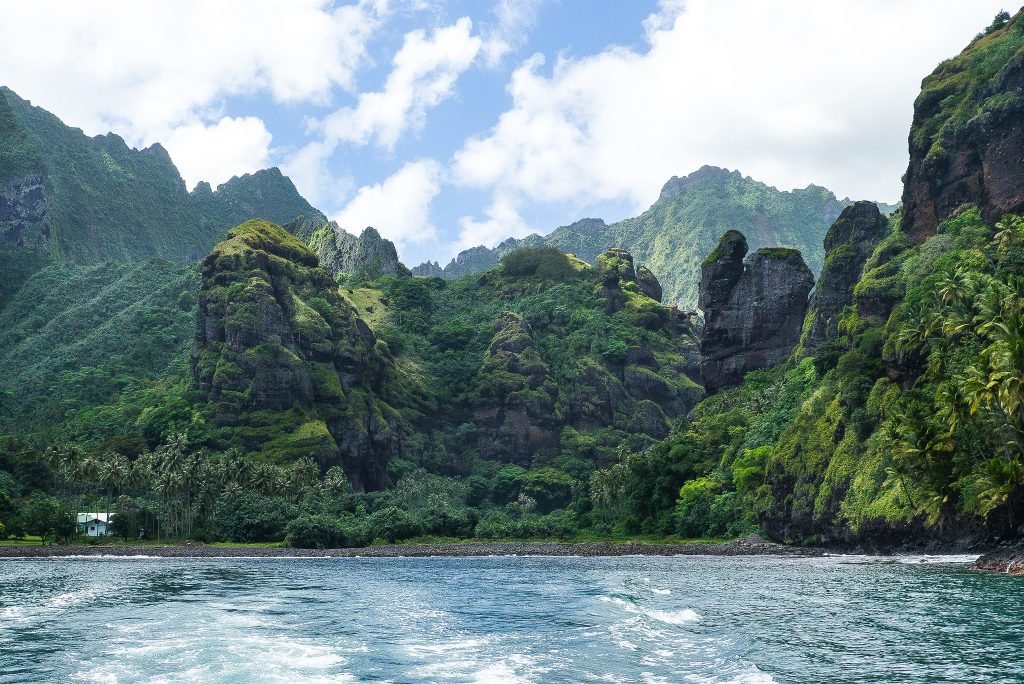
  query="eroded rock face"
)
[
  {"x": 276, "y": 344},
  {"x": 966, "y": 141},
  {"x": 516, "y": 395},
  {"x": 369, "y": 255},
  {"x": 753, "y": 310},
  {"x": 648, "y": 283},
  {"x": 616, "y": 270},
  {"x": 25, "y": 213},
  {"x": 848, "y": 244}
]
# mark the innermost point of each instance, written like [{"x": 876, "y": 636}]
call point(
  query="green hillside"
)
[{"x": 92, "y": 199}]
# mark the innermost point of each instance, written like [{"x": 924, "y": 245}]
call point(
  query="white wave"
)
[
  {"x": 907, "y": 559},
  {"x": 71, "y": 598},
  {"x": 674, "y": 617}
]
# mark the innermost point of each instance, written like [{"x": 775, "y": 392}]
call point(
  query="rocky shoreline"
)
[
  {"x": 1009, "y": 561},
  {"x": 469, "y": 549}
]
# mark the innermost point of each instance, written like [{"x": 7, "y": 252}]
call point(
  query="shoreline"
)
[
  {"x": 457, "y": 550},
  {"x": 1009, "y": 561}
]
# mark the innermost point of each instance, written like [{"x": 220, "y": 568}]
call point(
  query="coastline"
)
[{"x": 466, "y": 549}]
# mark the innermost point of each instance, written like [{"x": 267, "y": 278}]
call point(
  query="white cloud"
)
[
  {"x": 503, "y": 221},
  {"x": 309, "y": 168},
  {"x": 423, "y": 75},
  {"x": 509, "y": 30},
  {"x": 789, "y": 92},
  {"x": 215, "y": 153},
  {"x": 398, "y": 207},
  {"x": 145, "y": 69}
]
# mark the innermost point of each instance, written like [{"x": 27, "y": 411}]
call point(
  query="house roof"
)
[{"x": 85, "y": 518}]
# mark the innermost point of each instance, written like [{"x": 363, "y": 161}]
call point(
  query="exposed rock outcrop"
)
[
  {"x": 367, "y": 256},
  {"x": 276, "y": 345},
  {"x": 428, "y": 269},
  {"x": 966, "y": 141},
  {"x": 848, "y": 244},
  {"x": 615, "y": 269},
  {"x": 516, "y": 393},
  {"x": 1009, "y": 561},
  {"x": 24, "y": 213},
  {"x": 753, "y": 311},
  {"x": 648, "y": 283}
]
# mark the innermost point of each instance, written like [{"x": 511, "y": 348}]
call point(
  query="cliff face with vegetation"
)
[
  {"x": 848, "y": 245},
  {"x": 93, "y": 199},
  {"x": 683, "y": 226},
  {"x": 966, "y": 142},
  {"x": 288, "y": 366}
]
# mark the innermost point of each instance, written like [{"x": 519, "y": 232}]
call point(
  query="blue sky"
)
[{"x": 454, "y": 123}]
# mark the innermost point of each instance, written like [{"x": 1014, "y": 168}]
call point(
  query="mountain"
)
[
  {"x": 682, "y": 227},
  {"x": 261, "y": 397},
  {"x": 92, "y": 199}
]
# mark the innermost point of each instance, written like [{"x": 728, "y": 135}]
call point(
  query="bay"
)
[{"x": 501, "y": 619}]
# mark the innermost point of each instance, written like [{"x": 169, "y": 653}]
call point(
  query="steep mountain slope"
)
[
  {"x": 966, "y": 141},
  {"x": 90, "y": 200},
  {"x": 907, "y": 424},
  {"x": 84, "y": 350},
  {"x": 682, "y": 227}
]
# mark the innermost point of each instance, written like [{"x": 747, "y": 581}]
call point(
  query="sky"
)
[{"x": 451, "y": 123}]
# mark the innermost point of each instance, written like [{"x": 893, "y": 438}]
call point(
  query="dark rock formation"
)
[
  {"x": 848, "y": 244},
  {"x": 274, "y": 338},
  {"x": 753, "y": 311},
  {"x": 367, "y": 256},
  {"x": 966, "y": 141},
  {"x": 648, "y": 283},
  {"x": 1009, "y": 561}
]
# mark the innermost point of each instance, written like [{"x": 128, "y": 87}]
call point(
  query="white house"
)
[{"x": 95, "y": 524}]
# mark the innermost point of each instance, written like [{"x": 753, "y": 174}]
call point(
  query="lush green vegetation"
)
[
  {"x": 902, "y": 425},
  {"x": 259, "y": 400}
]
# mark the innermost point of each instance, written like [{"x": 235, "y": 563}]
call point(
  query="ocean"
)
[{"x": 509, "y": 619}]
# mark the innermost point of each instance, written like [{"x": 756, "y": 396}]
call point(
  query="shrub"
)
[
  {"x": 315, "y": 532},
  {"x": 252, "y": 517},
  {"x": 392, "y": 524},
  {"x": 539, "y": 262}
]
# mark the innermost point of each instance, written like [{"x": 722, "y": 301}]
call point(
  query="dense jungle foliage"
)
[{"x": 258, "y": 399}]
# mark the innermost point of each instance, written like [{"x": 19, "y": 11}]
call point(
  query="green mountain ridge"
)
[
  {"x": 681, "y": 228},
  {"x": 92, "y": 199}
]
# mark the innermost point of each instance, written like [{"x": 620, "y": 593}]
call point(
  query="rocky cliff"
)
[
  {"x": 848, "y": 244},
  {"x": 367, "y": 256},
  {"x": 289, "y": 368},
  {"x": 516, "y": 393},
  {"x": 753, "y": 310},
  {"x": 966, "y": 141}
]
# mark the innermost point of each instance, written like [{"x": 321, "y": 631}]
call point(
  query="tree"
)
[{"x": 49, "y": 518}]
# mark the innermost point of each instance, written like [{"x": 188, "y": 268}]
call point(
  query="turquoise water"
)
[{"x": 683, "y": 619}]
